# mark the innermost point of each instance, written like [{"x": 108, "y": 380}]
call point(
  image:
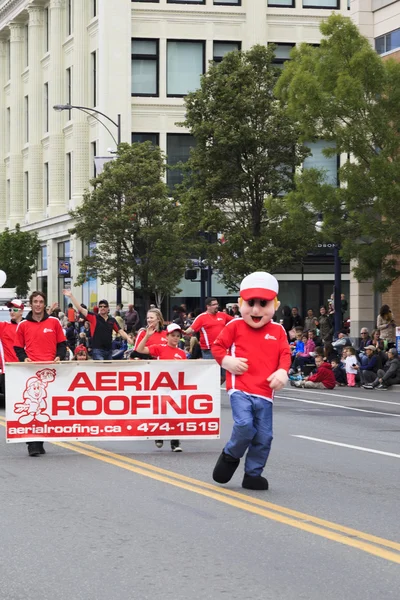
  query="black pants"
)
[{"x": 2, "y": 390}]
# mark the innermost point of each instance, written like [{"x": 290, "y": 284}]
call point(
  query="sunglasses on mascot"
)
[{"x": 13, "y": 309}]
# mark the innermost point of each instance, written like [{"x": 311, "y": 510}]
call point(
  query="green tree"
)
[
  {"x": 343, "y": 92},
  {"x": 18, "y": 258},
  {"x": 132, "y": 224},
  {"x": 241, "y": 168}
]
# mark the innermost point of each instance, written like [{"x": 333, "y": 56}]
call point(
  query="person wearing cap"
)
[
  {"x": 39, "y": 338},
  {"x": 168, "y": 351},
  {"x": 369, "y": 370},
  {"x": 256, "y": 355},
  {"x": 101, "y": 328},
  {"x": 7, "y": 336},
  {"x": 81, "y": 353}
]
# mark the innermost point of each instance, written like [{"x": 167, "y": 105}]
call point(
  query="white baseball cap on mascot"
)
[{"x": 260, "y": 285}]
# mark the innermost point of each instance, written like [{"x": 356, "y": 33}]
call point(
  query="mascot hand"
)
[
  {"x": 278, "y": 379},
  {"x": 19, "y": 408},
  {"x": 235, "y": 365}
]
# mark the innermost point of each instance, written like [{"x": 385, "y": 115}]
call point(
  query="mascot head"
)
[{"x": 258, "y": 298}]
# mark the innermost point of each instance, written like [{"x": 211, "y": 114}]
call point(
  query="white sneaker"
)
[
  {"x": 159, "y": 443},
  {"x": 176, "y": 449}
]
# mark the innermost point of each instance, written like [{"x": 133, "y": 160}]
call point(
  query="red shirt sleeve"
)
[
  {"x": 139, "y": 338},
  {"x": 91, "y": 317},
  {"x": 285, "y": 355},
  {"x": 116, "y": 327},
  {"x": 197, "y": 323},
  {"x": 19, "y": 337},
  {"x": 228, "y": 318},
  {"x": 223, "y": 343},
  {"x": 154, "y": 350}
]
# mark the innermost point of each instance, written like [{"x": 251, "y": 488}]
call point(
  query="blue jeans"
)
[
  {"x": 99, "y": 354},
  {"x": 252, "y": 431},
  {"x": 207, "y": 354}
]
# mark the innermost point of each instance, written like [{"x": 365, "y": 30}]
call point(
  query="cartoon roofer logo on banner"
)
[{"x": 34, "y": 396}]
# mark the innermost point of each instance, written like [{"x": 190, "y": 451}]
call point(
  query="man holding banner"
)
[
  {"x": 7, "y": 335},
  {"x": 39, "y": 338}
]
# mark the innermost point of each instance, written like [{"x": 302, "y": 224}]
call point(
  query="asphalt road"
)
[{"x": 125, "y": 521}]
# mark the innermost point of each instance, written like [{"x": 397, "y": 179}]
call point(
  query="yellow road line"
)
[{"x": 262, "y": 508}]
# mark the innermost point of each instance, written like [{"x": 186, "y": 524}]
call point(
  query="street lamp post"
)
[
  {"x": 337, "y": 288},
  {"x": 92, "y": 112}
]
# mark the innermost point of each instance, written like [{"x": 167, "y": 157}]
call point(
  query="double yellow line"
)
[{"x": 380, "y": 547}]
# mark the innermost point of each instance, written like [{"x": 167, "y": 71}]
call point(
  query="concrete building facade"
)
[{"x": 137, "y": 59}]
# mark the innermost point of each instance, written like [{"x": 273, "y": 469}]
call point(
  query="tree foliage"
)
[
  {"x": 344, "y": 92},
  {"x": 242, "y": 166},
  {"x": 18, "y": 258},
  {"x": 132, "y": 224}
]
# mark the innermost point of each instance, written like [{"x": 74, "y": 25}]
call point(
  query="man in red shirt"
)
[
  {"x": 255, "y": 352},
  {"x": 209, "y": 324},
  {"x": 7, "y": 335},
  {"x": 168, "y": 351},
  {"x": 40, "y": 338}
]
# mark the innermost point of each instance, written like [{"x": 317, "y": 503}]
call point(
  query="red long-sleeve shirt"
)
[
  {"x": 209, "y": 326},
  {"x": 324, "y": 375},
  {"x": 266, "y": 349},
  {"x": 7, "y": 336}
]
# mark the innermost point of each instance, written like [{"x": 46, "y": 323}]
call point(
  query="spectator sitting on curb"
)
[
  {"x": 338, "y": 371},
  {"x": 322, "y": 379},
  {"x": 369, "y": 370},
  {"x": 389, "y": 375},
  {"x": 341, "y": 341}
]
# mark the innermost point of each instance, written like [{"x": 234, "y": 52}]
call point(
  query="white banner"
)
[{"x": 115, "y": 400}]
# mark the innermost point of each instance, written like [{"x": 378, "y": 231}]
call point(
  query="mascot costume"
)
[{"x": 256, "y": 355}]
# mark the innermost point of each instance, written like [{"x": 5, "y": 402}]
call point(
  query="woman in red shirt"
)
[
  {"x": 168, "y": 351},
  {"x": 155, "y": 320}
]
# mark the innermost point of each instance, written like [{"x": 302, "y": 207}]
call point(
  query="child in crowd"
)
[
  {"x": 298, "y": 344},
  {"x": 351, "y": 366},
  {"x": 338, "y": 371},
  {"x": 81, "y": 353}
]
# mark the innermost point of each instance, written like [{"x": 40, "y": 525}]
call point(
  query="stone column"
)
[
  {"x": 81, "y": 154},
  {"x": 17, "y": 213},
  {"x": 362, "y": 303},
  {"x": 256, "y": 23},
  {"x": 57, "y": 203},
  {"x": 3, "y": 149},
  {"x": 36, "y": 47},
  {"x": 362, "y": 15}
]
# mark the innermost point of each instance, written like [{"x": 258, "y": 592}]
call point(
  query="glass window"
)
[
  {"x": 93, "y": 57},
  {"x": 46, "y": 107},
  {"x": 26, "y": 190},
  {"x": 380, "y": 44},
  {"x": 185, "y": 65},
  {"x": 146, "y": 137},
  {"x": 317, "y": 160},
  {"x": 321, "y": 4},
  {"x": 287, "y": 3},
  {"x": 178, "y": 150},
  {"x": 144, "y": 67},
  {"x": 46, "y": 183},
  {"x": 222, "y": 48},
  {"x": 26, "y": 107},
  {"x": 42, "y": 266},
  {"x": 229, "y": 2},
  {"x": 186, "y": 2},
  {"x": 282, "y": 53}
]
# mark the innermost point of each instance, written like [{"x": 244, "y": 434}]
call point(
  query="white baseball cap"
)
[
  {"x": 260, "y": 285},
  {"x": 173, "y": 327},
  {"x": 16, "y": 304}
]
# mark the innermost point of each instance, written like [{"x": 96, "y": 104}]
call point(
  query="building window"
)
[
  {"x": 26, "y": 110},
  {"x": 64, "y": 272},
  {"x": 321, "y": 4},
  {"x": 46, "y": 183},
  {"x": 26, "y": 190},
  {"x": 282, "y": 53},
  {"x": 222, "y": 48},
  {"x": 93, "y": 57},
  {"x": 93, "y": 151},
  {"x": 286, "y": 3},
  {"x": 152, "y": 1},
  {"x": 69, "y": 17},
  {"x": 42, "y": 259},
  {"x": 69, "y": 175},
  {"x": 145, "y": 58},
  {"x": 178, "y": 151},
  {"x": 46, "y": 29},
  {"x": 94, "y": 8},
  {"x": 69, "y": 89},
  {"x": 185, "y": 66},
  {"x": 317, "y": 160},
  {"x": 186, "y": 2},
  {"x": 146, "y": 137},
  {"x": 229, "y": 2},
  {"x": 46, "y": 107},
  {"x": 8, "y": 51},
  {"x": 389, "y": 41}
]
